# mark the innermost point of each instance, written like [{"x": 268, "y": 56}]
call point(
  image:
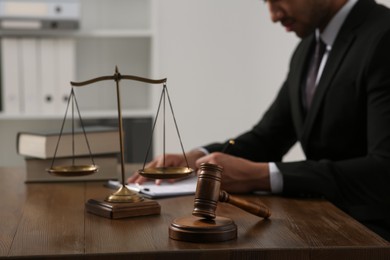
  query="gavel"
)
[{"x": 208, "y": 193}]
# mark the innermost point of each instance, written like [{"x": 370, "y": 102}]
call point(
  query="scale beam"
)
[{"x": 117, "y": 77}]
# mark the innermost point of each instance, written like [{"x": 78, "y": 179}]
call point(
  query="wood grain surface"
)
[{"x": 49, "y": 219}]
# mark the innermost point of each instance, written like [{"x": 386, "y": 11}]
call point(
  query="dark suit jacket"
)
[{"x": 346, "y": 134}]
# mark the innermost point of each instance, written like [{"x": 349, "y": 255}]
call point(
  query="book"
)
[
  {"x": 150, "y": 190},
  {"x": 101, "y": 139},
  {"x": 36, "y": 169}
]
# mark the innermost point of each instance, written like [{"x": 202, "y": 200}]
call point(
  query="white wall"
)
[
  {"x": 225, "y": 61},
  {"x": 384, "y": 2}
]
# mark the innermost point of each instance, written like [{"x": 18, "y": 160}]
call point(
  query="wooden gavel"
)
[{"x": 208, "y": 194}]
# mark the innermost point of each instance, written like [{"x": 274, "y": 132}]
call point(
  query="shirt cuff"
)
[
  {"x": 276, "y": 178},
  {"x": 204, "y": 150}
]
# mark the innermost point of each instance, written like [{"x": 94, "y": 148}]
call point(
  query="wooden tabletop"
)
[{"x": 49, "y": 219}]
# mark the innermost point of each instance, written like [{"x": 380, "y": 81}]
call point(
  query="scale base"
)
[
  {"x": 123, "y": 195},
  {"x": 194, "y": 229},
  {"x": 113, "y": 210}
]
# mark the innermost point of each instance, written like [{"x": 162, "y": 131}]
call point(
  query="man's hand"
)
[{"x": 239, "y": 175}]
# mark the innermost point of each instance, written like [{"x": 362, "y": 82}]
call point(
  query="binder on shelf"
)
[
  {"x": 39, "y": 14},
  {"x": 30, "y": 85},
  {"x": 57, "y": 69},
  {"x": 11, "y": 85},
  {"x": 65, "y": 71},
  {"x": 48, "y": 75}
]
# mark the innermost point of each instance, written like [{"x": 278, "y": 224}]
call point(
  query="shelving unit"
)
[
  {"x": 125, "y": 28},
  {"x": 112, "y": 33},
  {"x": 119, "y": 33}
]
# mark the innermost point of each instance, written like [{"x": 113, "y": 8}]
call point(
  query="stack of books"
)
[{"x": 39, "y": 150}]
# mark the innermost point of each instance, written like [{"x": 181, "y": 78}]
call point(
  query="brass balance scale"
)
[
  {"x": 124, "y": 200},
  {"x": 127, "y": 203}
]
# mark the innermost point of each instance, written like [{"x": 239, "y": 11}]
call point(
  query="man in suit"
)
[{"x": 343, "y": 128}]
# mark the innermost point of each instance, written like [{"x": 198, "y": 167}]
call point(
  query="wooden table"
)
[{"x": 49, "y": 220}]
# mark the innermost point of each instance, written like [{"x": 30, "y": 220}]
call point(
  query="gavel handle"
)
[{"x": 256, "y": 209}]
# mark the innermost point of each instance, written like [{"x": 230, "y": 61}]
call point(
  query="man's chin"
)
[
  {"x": 299, "y": 31},
  {"x": 302, "y": 34}
]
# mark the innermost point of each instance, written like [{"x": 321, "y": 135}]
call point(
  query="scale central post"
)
[{"x": 123, "y": 194}]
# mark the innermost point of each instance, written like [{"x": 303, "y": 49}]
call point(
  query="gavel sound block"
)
[{"x": 204, "y": 225}]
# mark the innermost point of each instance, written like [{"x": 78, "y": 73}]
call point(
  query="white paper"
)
[{"x": 165, "y": 189}]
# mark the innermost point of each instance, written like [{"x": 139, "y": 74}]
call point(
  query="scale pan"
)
[
  {"x": 73, "y": 170},
  {"x": 165, "y": 172}
]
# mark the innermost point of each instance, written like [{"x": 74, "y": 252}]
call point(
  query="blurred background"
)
[{"x": 224, "y": 60}]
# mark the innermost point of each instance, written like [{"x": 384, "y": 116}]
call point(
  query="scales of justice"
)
[{"x": 203, "y": 225}]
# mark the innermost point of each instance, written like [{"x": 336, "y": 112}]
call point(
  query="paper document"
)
[{"x": 165, "y": 189}]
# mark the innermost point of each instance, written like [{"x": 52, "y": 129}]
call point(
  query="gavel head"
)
[{"x": 207, "y": 190}]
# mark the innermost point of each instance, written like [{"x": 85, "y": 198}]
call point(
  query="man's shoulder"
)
[
  {"x": 379, "y": 15},
  {"x": 368, "y": 20}
]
